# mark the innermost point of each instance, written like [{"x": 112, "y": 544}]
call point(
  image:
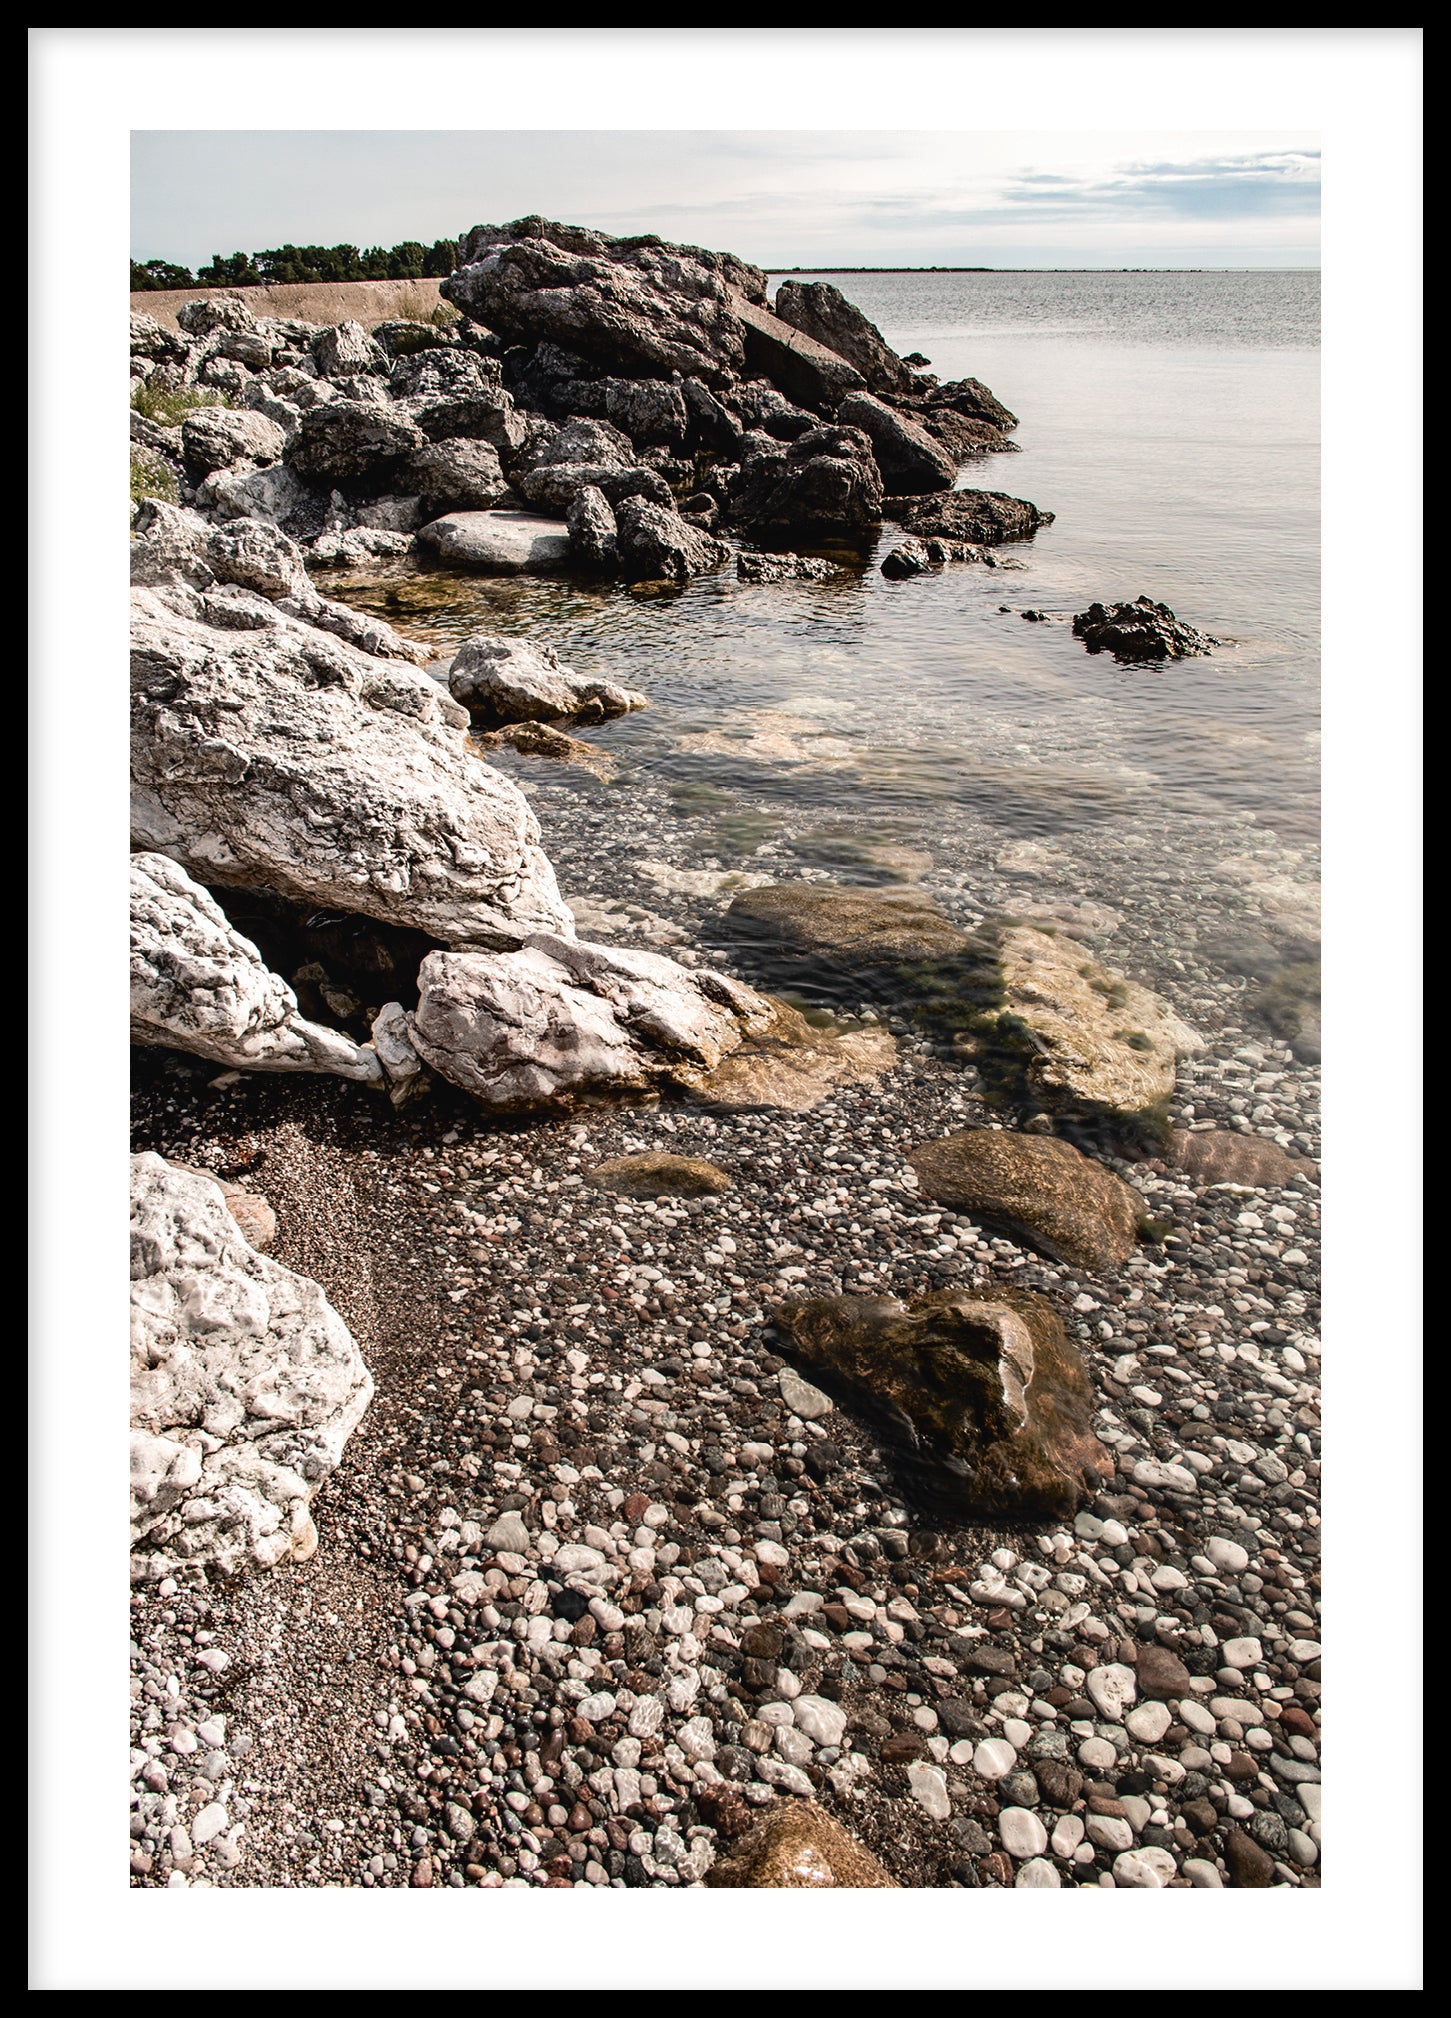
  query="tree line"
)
[{"x": 303, "y": 264}]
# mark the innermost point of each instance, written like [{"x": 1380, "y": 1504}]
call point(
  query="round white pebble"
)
[
  {"x": 1039, "y": 1875},
  {"x": 1021, "y": 1833}
]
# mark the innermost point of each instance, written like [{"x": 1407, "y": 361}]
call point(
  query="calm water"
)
[{"x": 1171, "y": 423}]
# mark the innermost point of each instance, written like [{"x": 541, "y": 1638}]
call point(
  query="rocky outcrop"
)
[
  {"x": 1062, "y": 1202},
  {"x": 1140, "y": 630},
  {"x": 197, "y": 985},
  {"x": 656, "y": 545},
  {"x": 286, "y": 760},
  {"x": 499, "y": 542},
  {"x": 798, "y": 1847},
  {"x": 354, "y": 445},
  {"x": 643, "y": 249},
  {"x": 504, "y": 680},
  {"x": 245, "y": 1387},
  {"x": 662, "y": 313},
  {"x": 984, "y": 517},
  {"x": 824, "y": 487},
  {"x": 560, "y": 1020},
  {"x": 911, "y": 462},
  {"x": 822, "y": 311},
  {"x": 971, "y": 398},
  {"x": 981, "y": 1389},
  {"x": 655, "y": 1173}
]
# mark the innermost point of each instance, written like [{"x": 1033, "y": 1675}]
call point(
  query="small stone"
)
[
  {"x": 1161, "y": 1673},
  {"x": 823, "y": 1722},
  {"x": 210, "y": 1822},
  {"x": 1249, "y": 1866},
  {"x": 1148, "y": 1722},
  {"x": 1021, "y": 1833},
  {"x": 1110, "y": 1832},
  {"x": 1038, "y": 1874},
  {"x": 1226, "y": 1555},
  {"x": 801, "y": 1397},
  {"x": 1144, "y": 1870},
  {"x": 1242, "y": 1654},
  {"x": 1067, "y": 1835},
  {"x": 993, "y": 1758},
  {"x": 1201, "y": 1873},
  {"x": 509, "y": 1532},
  {"x": 1112, "y": 1688},
  {"x": 929, "y": 1784},
  {"x": 1097, "y": 1754}
]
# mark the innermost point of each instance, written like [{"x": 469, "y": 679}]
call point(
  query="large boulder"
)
[
  {"x": 219, "y": 437},
  {"x": 795, "y": 363},
  {"x": 245, "y": 1387},
  {"x": 639, "y": 250},
  {"x": 499, "y": 542},
  {"x": 984, "y": 517},
  {"x": 434, "y": 374},
  {"x": 987, "y": 1400},
  {"x": 1073, "y": 1209},
  {"x": 661, "y": 314},
  {"x": 825, "y": 487},
  {"x": 502, "y": 680},
  {"x": 911, "y": 462},
  {"x": 657, "y": 544},
  {"x": 197, "y": 985},
  {"x": 459, "y": 475},
  {"x": 971, "y": 398},
  {"x": 1140, "y": 630},
  {"x": 822, "y": 311},
  {"x": 344, "y": 349},
  {"x": 553, "y": 486},
  {"x": 204, "y": 317},
  {"x": 651, "y": 411},
  {"x": 562, "y": 1022},
  {"x": 593, "y": 534},
  {"x": 353, "y": 445},
  {"x": 284, "y": 759}
]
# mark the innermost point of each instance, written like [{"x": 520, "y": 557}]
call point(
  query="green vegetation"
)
[
  {"x": 303, "y": 264},
  {"x": 151, "y": 478},
  {"x": 168, "y": 405}
]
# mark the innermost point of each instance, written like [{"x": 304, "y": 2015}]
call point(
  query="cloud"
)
[{"x": 1280, "y": 184}]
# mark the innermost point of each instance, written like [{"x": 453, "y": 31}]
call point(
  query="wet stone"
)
[
  {"x": 799, "y": 1846},
  {"x": 1073, "y": 1209}
]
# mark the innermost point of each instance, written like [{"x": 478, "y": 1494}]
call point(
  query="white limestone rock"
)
[
  {"x": 198, "y": 985},
  {"x": 504, "y": 680},
  {"x": 245, "y": 1386},
  {"x": 282, "y": 758}
]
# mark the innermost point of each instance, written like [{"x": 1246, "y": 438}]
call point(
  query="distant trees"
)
[{"x": 304, "y": 264}]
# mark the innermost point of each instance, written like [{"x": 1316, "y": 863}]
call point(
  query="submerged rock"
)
[
  {"x": 876, "y": 926},
  {"x": 984, "y": 517},
  {"x": 503, "y": 680},
  {"x": 245, "y": 1386},
  {"x": 655, "y": 1173},
  {"x": 499, "y": 542},
  {"x": 197, "y": 985},
  {"x": 1140, "y": 630},
  {"x": 1085, "y": 1040},
  {"x": 787, "y": 1063},
  {"x": 1219, "y": 1156},
  {"x": 537, "y": 739},
  {"x": 283, "y": 759},
  {"x": 1070, "y": 1207},
  {"x": 799, "y": 1847},
  {"x": 787, "y": 568},
  {"x": 981, "y": 1386}
]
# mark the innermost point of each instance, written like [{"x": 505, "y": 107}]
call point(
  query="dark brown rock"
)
[
  {"x": 971, "y": 398},
  {"x": 655, "y": 1173},
  {"x": 1060, "y": 1785},
  {"x": 900, "y": 1748},
  {"x": 1140, "y": 630},
  {"x": 982, "y": 1387},
  {"x": 1162, "y": 1674},
  {"x": 1073, "y": 1209},
  {"x": 1250, "y": 1867},
  {"x": 824, "y": 487},
  {"x": 985, "y": 517},
  {"x": 1219, "y": 1156},
  {"x": 799, "y": 1846}
]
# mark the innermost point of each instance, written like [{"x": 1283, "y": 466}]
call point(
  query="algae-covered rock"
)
[
  {"x": 797, "y": 1847},
  {"x": 656, "y": 1173},
  {"x": 1060, "y": 1200},
  {"x": 853, "y": 925},
  {"x": 1220, "y": 1156},
  {"x": 784, "y": 1061},
  {"x": 982, "y": 1387}
]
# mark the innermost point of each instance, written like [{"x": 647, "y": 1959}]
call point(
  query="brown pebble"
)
[
  {"x": 1249, "y": 1865},
  {"x": 423, "y": 1872},
  {"x": 1161, "y": 1674}
]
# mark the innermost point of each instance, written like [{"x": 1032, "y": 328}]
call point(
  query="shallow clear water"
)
[{"x": 1171, "y": 423}]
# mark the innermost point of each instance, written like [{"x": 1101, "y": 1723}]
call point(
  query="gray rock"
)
[
  {"x": 343, "y": 349},
  {"x": 245, "y": 1386},
  {"x": 822, "y": 311},
  {"x": 510, "y": 1533},
  {"x": 659, "y": 545},
  {"x": 910, "y": 460},
  {"x": 197, "y": 985},
  {"x": 218, "y": 437},
  {"x": 225, "y": 311},
  {"x": 825, "y": 487},
  {"x": 651, "y": 411},
  {"x": 593, "y": 537},
  {"x": 360, "y": 793},
  {"x": 499, "y": 542},
  {"x": 511, "y": 680},
  {"x": 458, "y": 475},
  {"x": 553, "y": 486},
  {"x": 352, "y": 444},
  {"x": 809, "y": 1403},
  {"x": 799, "y": 366}
]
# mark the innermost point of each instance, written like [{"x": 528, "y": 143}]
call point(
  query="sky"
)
[{"x": 865, "y": 198}]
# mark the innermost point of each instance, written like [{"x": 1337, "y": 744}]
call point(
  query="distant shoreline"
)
[{"x": 1042, "y": 269}]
